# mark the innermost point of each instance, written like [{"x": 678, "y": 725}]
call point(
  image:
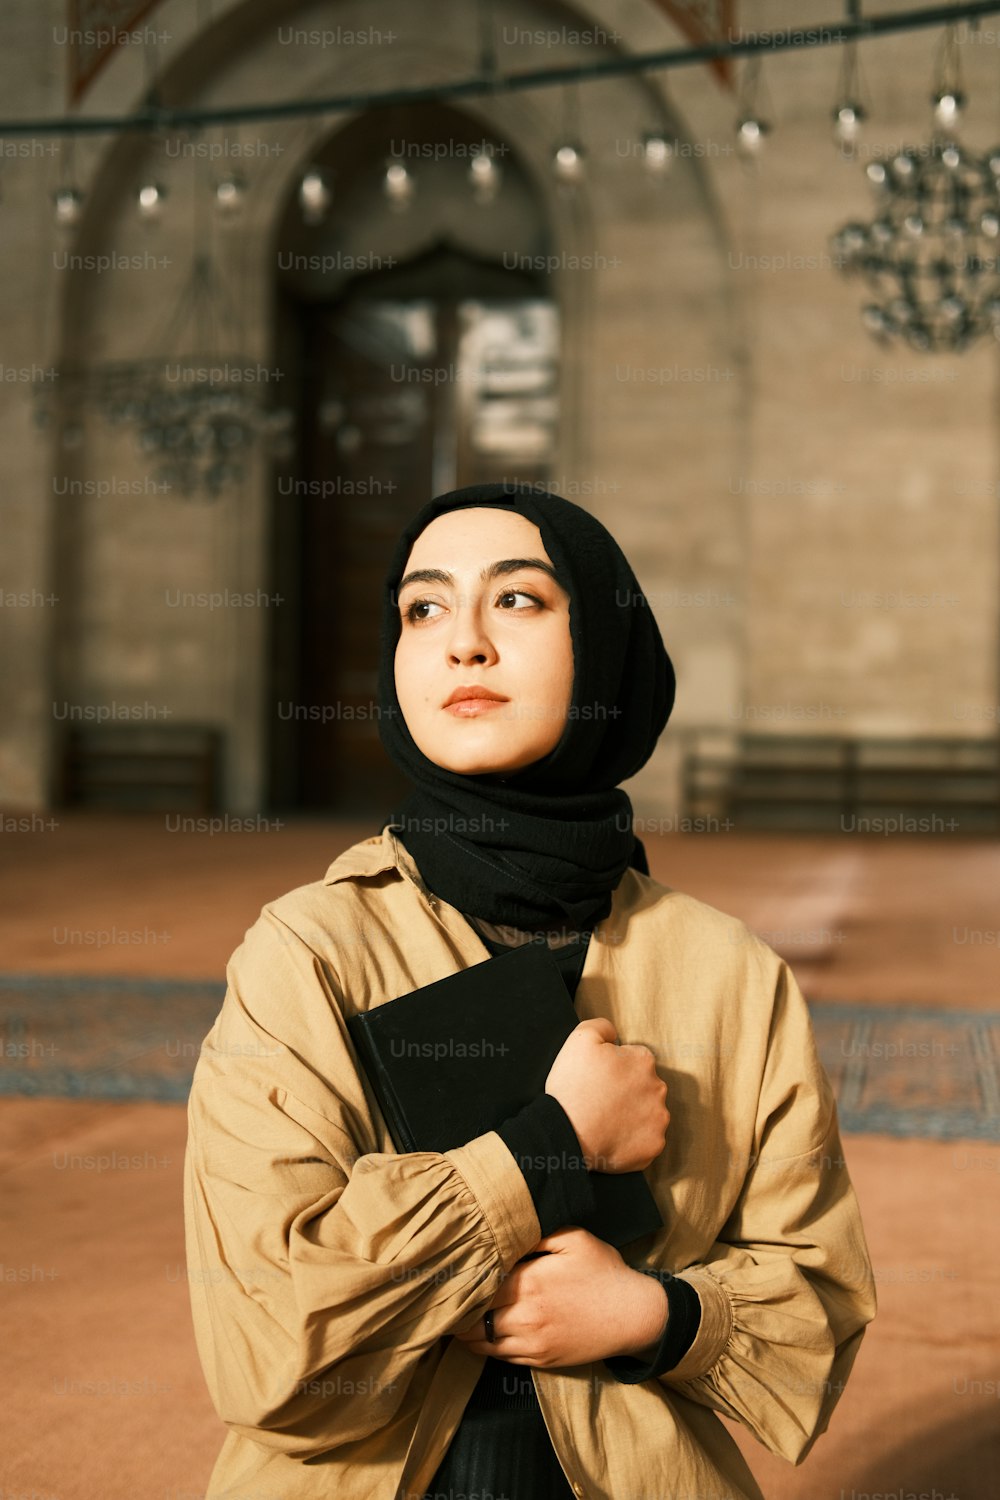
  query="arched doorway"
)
[{"x": 414, "y": 376}]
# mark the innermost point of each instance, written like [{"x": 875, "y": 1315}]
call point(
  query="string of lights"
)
[
  {"x": 158, "y": 116},
  {"x": 926, "y": 255}
]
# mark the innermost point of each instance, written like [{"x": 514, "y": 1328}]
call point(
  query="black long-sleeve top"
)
[{"x": 540, "y": 1133}]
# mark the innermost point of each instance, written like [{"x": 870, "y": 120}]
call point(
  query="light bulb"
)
[
  {"x": 485, "y": 175},
  {"x": 230, "y": 193},
  {"x": 315, "y": 195},
  {"x": 851, "y": 239},
  {"x": 657, "y": 153},
  {"x": 847, "y": 122},
  {"x": 69, "y": 206},
  {"x": 398, "y": 186},
  {"x": 948, "y": 105},
  {"x": 150, "y": 199},
  {"x": 875, "y": 319},
  {"x": 750, "y": 133},
  {"x": 568, "y": 162}
]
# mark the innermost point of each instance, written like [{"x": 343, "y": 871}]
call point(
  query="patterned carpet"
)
[{"x": 897, "y": 1070}]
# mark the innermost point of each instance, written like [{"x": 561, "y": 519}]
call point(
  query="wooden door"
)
[{"x": 403, "y": 398}]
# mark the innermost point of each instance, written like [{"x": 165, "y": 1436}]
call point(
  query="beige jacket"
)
[{"x": 327, "y": 1271}]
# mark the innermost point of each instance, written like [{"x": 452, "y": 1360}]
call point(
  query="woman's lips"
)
[{"x": 469, "y": 708}]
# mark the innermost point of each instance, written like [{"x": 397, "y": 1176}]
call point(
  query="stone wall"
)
[{"x": 812, "y": 518}]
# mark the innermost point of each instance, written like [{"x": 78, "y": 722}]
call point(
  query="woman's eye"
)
[
  {"x": 410, "y": 612},
  {"x": 518, "y": 594},
  {"x": 411, "y": 615}
]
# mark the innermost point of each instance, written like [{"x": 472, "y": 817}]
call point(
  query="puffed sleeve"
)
[
  {"x": 787, "y": 1289},
  {"x": 321, "y": 1270}
]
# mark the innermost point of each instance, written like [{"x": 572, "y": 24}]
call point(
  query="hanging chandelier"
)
[
  {"x": 929, "y": 255},
  {"x": 195, "y": 407},
  {"x": 196, "y": 415}
]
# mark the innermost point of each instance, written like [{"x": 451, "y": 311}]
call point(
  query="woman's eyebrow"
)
[{"x": 493, "y": 570}]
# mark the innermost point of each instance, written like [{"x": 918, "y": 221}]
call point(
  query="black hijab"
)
[{"x": 547, "y": 844}]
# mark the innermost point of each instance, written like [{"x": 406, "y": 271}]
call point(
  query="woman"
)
[{"x": 384, "y": 1324}]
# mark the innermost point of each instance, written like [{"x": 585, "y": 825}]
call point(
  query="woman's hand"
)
[
  {"x": 575, "y": 1303},
  {"x": 613, "y": 1096}
]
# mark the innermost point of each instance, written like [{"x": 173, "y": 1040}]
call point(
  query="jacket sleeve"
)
[
  {"x": 787, "y": 1288},
  {"x": 321, "y": 1270}
]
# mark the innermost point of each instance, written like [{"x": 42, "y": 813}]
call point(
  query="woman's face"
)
[{"x": 508, "y": 633}]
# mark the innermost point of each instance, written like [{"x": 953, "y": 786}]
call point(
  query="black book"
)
[{"x": 454, "y": 1059}]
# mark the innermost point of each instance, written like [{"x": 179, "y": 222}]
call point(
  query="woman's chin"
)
[
  {"x": 484, "y": 762},
  {"x": 480, "y": 768}
]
